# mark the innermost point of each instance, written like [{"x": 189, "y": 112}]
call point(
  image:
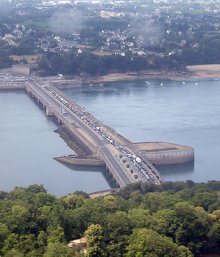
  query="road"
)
[{"x": 116, "y": 157}]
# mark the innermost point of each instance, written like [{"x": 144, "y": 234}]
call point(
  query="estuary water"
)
[
  {"x": 28, "y": 146},
  {"x": 179, "y": 112},
  {"x": 186, "y": 112}
]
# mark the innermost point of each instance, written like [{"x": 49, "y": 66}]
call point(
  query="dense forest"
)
[
  {"x": 91, "y": 64},
  {"x": 174, "y": 220}
]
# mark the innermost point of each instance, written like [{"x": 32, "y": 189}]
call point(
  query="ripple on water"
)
[{"x": 185, "y": 114}]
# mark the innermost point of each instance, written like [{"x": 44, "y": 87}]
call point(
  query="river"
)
[
  {"x": 185, "y": 113},
  {"x": 178, "y": 112},
  {"x": 28, "y": 145}
]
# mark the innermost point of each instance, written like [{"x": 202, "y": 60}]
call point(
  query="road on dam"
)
[{"x": 124, "y": 166}]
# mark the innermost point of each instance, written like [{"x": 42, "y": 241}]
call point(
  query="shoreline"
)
[
  {"x": 205, "y": 71},
  {"x": 209, "y": 71},
  {"x": 73, "y": 143}
]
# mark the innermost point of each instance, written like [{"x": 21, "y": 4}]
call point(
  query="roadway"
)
[
  {"x": 109, "y": 150},
  {"x": 111, "y": 162}
]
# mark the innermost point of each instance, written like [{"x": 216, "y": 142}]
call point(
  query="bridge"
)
[{"x": 122, "y": 162}]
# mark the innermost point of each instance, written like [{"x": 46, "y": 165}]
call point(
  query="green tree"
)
[
  {"x": 145, "y": 242},
  {"x": 4, "y": 232},
  {"x": 214, "y": 236},
  {"x": 193, "y": 226},
  {"x": 56, "y": 235},
  {"x": 95, "y": 244},
  {"x": 58, "y": 249},
  {"x": 74, "y": 201},
  {"x": 41, "y": 241},
  {"x": 14, "y": 253},
  {"x": 140, "y": 218},
  {"x": 166, "y": 222},
  {"x": 10, "y": 243},
  {"x": 26, "y": 244},
  {"x": 117, "y": 229}
]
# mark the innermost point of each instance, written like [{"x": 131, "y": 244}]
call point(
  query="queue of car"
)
[{"x": 134, "y": 164}]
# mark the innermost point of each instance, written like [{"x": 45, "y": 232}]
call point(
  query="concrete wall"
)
[
  {"x": 168, "y": 158},
  {"x": 11, "y": 85},
  {"x": 66, "y": 83},
  {"x": 80, "y": 162}
]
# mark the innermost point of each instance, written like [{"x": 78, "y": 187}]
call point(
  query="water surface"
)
[
  {"x": 175, "y": 112},
  {"x": 28, "y": 146},
  {"x": 184, "y": 113}
]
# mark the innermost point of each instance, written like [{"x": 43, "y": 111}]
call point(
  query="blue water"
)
[
  {"x": 28, "y": 146},
  {"x": 185, "y": 114},
  {"x": 175, "y": 112}
]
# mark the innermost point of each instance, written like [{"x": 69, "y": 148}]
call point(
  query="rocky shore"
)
[{"x": 82, "y": 155}]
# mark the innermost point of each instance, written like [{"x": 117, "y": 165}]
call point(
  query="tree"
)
[
  {"x": 4, "y": 232},
  {"x": 10, "y": 243},
  {"x": 214, "y": 236},
  {"x": 26, "y": 244},
  {"x": 140, "y": 218},
  {"x": 146, "y": 242},
  {"x": 56, "y": 235},
  {"x": 193, "y": 226},
  {"x": 117, "y": 229},
  {"x": 166, "y": 222},
  {"x": 36, "y": 189},
  {"x": 110, "y": 203},
  {"x": 13, "y": 253},
  {"x": 95, "y": 244},
  {"x": 41, "y": 241},
  {"x": 58, "y": 249},
  {"x": 74, "y": 201},
  {"x": 19, "y": 217}
]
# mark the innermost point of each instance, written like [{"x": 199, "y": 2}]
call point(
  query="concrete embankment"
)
[
  {"x": 80, "y": 161},
  {"x": 84, "y": 155},
  {"x": 164, "y": 153},
  {"x": 102, "y": 193},
  {"x": 74, "y": 143},
  {"x": 64, "y": 82},
  {"x": 14, "y": 86}
]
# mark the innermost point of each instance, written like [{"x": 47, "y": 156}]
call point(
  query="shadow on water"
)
[
  {"x": 177, "y": 169},
  {"x": 90, "y": 169}
]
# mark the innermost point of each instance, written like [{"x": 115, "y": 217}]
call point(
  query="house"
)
[{"x": 79, "y": 244}]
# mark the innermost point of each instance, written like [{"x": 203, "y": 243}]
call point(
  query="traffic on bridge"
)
[
  {"x": 124, "y": 165},
  {"x": 122, "y": 162}
]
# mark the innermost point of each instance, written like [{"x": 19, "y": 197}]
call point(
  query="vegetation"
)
[
  {"x": 174, "y": 219},
  {"x": 91, "y": 64},
  {"x": 159, "y": 36},
  {"x": 5, "y": 61}
]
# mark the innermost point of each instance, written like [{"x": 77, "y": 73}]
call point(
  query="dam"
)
[{"x": 127, "y": 162}]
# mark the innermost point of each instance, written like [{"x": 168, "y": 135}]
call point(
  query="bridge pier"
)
[
  {"x": 85, "y": 131},
  {"x": 110, "y": 177},
  {"x": 49, "y": 111},
  {"x": 59, "y": 121}
]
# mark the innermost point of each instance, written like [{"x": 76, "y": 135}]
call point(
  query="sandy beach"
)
[
  {"x": 193, "y": 71},
  {"x": 205, "y": 71},
  {"x": 211, "y": 71}
]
